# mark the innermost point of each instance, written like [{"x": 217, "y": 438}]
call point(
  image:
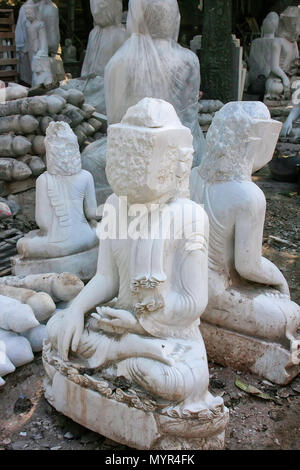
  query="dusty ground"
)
[{"x": 28, "y": 422}]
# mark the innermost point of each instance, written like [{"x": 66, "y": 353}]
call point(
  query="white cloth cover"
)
[
  {"x": 106, "y": 38},
  {"x": 152, "y": 64}
]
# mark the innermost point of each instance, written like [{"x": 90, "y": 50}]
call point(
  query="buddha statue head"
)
[
  {"x": 270, "y": 24},
  {"x": 241, "y": 140},
  {"x": 149, "y": 154},
  {"x": 289, "y": 24},
  {"x": 62, "y": 150},
  {"x": 106, "y": 12},
  {"x": 158, "y": 18},
  {"x": 31, "y": 12}
]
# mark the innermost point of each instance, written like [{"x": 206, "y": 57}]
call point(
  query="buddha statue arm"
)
[
  {"x": 249, "y": 226},
  {"x": 89, "y": 202},
  {"x": 42, "y": 207},
  {"x": 186, "y": 303},
  {"x": 288, "y": 125},
  {"x": 43, "y": 46},
  {"x": 102, "y": 288},
  {"x": 275, "y": 65}
]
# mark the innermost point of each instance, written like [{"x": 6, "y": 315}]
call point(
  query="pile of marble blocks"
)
[
  {"x": 26, "y": 304},
  {"x": 23, "y": 125}
]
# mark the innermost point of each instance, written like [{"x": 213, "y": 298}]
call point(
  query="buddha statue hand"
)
[
  {"x": 283, "y": 287},
  {"x": 71, "y": 330},
  {"x": 286, "y": 128},
  {"x": 116, "y": 321}
]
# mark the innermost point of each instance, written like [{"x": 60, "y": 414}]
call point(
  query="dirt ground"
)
[{"x": 27, "y": 421}]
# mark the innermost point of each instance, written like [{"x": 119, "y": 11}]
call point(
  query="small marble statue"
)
[
  {"x": 260, "y": 59},
  {"x": 24, "y": 64},
  {"x": 250, "y": 322},
  {"x": 69, "y": 51},
  {"x": 148, "y": 339},
  {"x": 65, "y": 206},
  {"x": 48, "y": 14},
  {"x": 285, "y": 55},
  {"x": 152, "y": 63},
  {"x": 37, "y": 45}
]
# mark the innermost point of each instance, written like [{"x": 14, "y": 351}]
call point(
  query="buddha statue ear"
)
[
  {"x": 184, "y": 165},
  {"x": 268, "y": 133}
]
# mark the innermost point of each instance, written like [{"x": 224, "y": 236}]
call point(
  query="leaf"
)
[{"x": 252, "y": 390}]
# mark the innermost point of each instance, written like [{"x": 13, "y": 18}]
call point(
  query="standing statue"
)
[
  {"x": 24, "y": 64},
  {"x": 260, "y": 59},
  {"x": 285, "y": 56},
  {"x": 152, "y": 63},
  {"x": 37, "y": 47},
  {"x": 48, "y": 14},
  {"x": 65, "y": 211},
  {"x": 148, "y": 339},
  {"x": 250, "y": 322}
]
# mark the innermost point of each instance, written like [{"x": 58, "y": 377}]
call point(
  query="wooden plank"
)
[
  {"x": 8, "y": 62},
  {"x": 7, "y": 48},
  {"x": 8, "y": 73},
  {"x": 6, "y": 20},
  {"x": 7, "y": 35}
]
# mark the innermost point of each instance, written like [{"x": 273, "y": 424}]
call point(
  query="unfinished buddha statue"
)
[
  {"x": 65, "y": 201},
  {"x": 250, "y": 321},
  {"x": 148, "y": 337},
  {"x": 260, "y": 58},
  {"x": 285, "y": 56}
]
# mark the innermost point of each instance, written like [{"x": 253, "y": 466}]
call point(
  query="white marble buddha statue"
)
[
  {"x": 248, "y": 294},
  {"x": 150, "y": 334},
  {"x": 65, "y": 201},
  {"x": 260, "y": 58},
  {"x": 285, "y": 55}
]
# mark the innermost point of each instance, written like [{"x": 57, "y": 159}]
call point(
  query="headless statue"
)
[
  {"x": 285, "y": 55},
  {"x": 247, "y": 293},
  {"x": 65, "y": 201},
  {"x": 150, "y": 334}
]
